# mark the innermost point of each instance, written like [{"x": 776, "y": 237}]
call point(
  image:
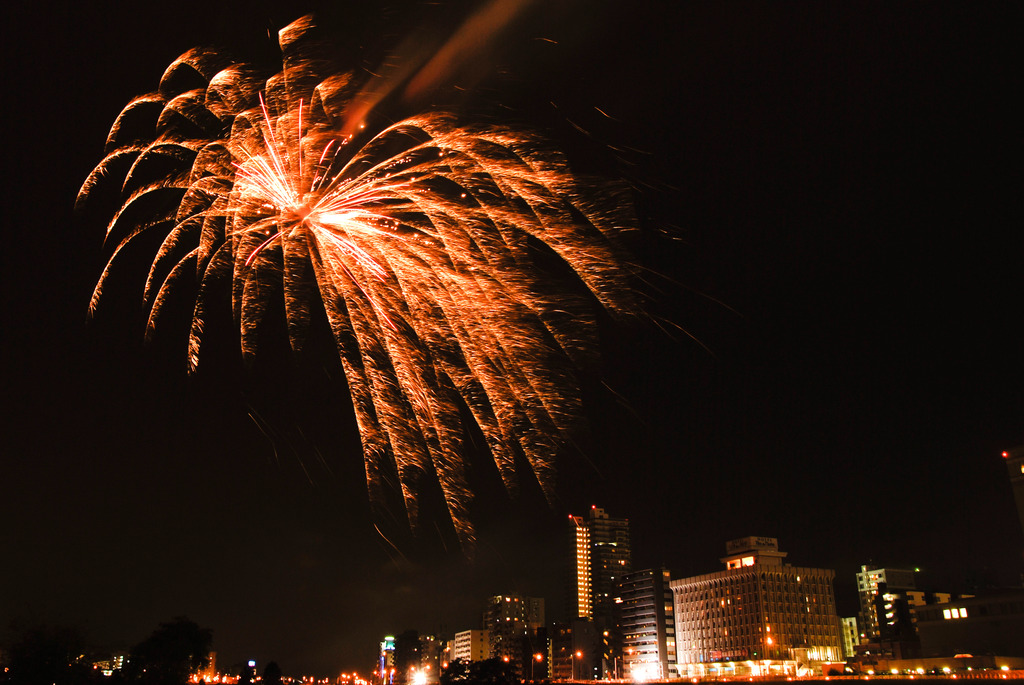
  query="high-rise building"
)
[
  {"x": 878, "y": 587},
  {"x": 601, "y": 556},
  {"x": 610, "y": 559},
  {"x": 758, "y": 617},
  {"x": 1015, "y": 465},
  {"x": 581, "y": 597},
  {"x": 647, "y": 626}
]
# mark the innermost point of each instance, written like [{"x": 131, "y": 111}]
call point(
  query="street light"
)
[
  {"x": 579, "y": 655},
  {"x": 537, "y": 658}
]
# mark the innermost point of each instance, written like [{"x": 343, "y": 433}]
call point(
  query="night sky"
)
[{"x": 831, "y": 206}]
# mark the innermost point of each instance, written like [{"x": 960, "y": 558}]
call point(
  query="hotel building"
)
[{"x": 758, "y": 617}]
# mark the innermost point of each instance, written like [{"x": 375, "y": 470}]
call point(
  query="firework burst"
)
[{"x": 423, "y": 241}]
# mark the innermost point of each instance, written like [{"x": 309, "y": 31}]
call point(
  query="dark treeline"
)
[{"x": 42, "y": 655}]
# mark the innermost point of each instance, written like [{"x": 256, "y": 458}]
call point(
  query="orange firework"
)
[{"x": 423, "y": 241}]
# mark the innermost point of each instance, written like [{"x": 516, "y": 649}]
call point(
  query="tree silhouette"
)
[
  {"x": 45, "y": 655},
  {"x": 272, "y": 674},
  {"x": 171, "y": 654},
  {"x": 456, "y": 672},
  {"x": 487, "y": 672}
]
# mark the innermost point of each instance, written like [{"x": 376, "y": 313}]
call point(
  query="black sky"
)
[{"x": 842, "y": 185}]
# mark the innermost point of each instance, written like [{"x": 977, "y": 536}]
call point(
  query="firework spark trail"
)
[{"x": 420, "y": 241}]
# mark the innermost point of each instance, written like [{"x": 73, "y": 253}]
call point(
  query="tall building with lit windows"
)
[
  {"x": 884, "y": 605},
  {"x": 581, "y": 593},
  {"x": 602, "y": 555},
  {"x": 647, "y": 626},
  {"x": 758, "y": 617}
]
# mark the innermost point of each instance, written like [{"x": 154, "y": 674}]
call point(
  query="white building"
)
[{"x": 471, "y": 645}]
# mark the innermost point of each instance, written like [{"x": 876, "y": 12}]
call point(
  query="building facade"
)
[
  {"x": 385, "y": 670},
  {"x": 991, "y": 624},
  {"x": 471, "y": 645},
  {"x": 574, "y": 651},
  {"x": 884, "y": 602},
  {"x": 511, "y": 621},
  {"x": 611, "y": 558},
  {"x": 758, "y": 617},
  {"x": 647, "y": 626},
  {"x": 851, "y": 635},
  {"x": 581, "y": 595}
]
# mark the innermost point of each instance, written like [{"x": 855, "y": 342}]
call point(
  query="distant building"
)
[
  {"x": 647, "y": 626},
  {"x": 407, "y": 656},
  {"x": 535, "y": 655},
  {"x": 897, "y": 638},
  {"x": 116, "y": 661},
  {"x": 1015, "y": 465},
  {"x": 851, "y": 636},
  {"x": 611, "y": 558},
  {"x": 386, "y": 660},
  {"x": 758, "y": 617},
  {"x": 430, "y": 658},
  {"x": 973, "y": 625},
  {"x": 574, "y": 651},
  {"x": 471, "y": 645},
  {"x": 875, "y": 620},
  {"x": 511, "y": 621}
]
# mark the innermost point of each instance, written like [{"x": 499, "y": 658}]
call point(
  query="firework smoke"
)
[{"x": 423, "y": 241}]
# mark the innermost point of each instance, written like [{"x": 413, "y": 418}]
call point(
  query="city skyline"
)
[{"x": 832, "y": 357}]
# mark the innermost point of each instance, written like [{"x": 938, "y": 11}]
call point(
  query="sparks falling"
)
[{"x": 425, "y": 242}]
